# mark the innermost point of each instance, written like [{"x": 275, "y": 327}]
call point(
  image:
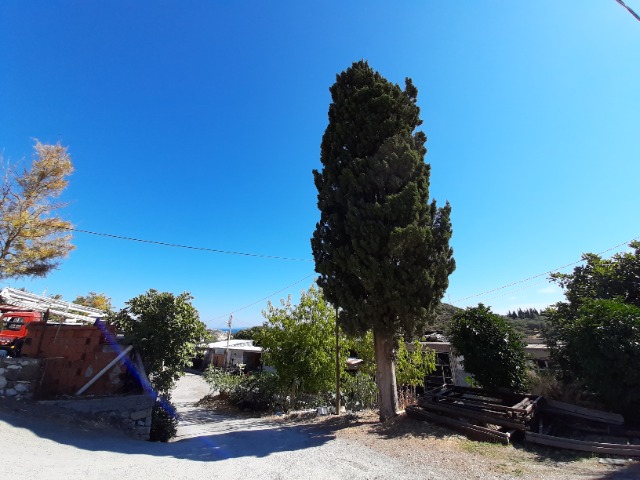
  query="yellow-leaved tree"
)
[{"x": 33, "y": 238}]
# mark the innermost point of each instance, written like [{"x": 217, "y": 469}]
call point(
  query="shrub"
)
[
  {"x": 493, "y": 351},
  {"x": 220, "y": 381},
  {"x": 601, "y": 345},
  {"x": 164, "y": 421},
  {"x": 256, "y": 392},
  {"x": 359, "y": 391}
]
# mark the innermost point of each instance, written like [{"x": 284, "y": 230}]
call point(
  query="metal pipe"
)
[{"x": 104, "y": 370}]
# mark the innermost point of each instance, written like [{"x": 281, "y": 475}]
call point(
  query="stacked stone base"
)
[
  {"x": 19, "y": 377},
  {"x": 130, "y": 413}
]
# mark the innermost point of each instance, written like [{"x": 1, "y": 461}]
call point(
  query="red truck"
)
[
  {"x": 22, "y": 308},
  {"x": 14, "y": 330}
]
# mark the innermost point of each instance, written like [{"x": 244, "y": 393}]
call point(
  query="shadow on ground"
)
[{"x": 224, "y": 437}]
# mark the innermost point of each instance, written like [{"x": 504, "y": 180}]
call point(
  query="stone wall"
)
[
  {"x": 130, "y": 413},
  {"x": 19, "y": 377}
]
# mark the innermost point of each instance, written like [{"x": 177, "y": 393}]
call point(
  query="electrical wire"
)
[
  {"x": 189, "y": 247},
  {"x": 257, "y": 255},
  {"x": 637, "y": 17},
  {"x": 540, "y": 274},
  {"x": 262, "y": 299}
]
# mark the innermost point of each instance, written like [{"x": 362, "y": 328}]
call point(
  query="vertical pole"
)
[
  {"x": 45, "y": 320},
  {"x": 337, "y": 365},
  {"x": 226, "y": 352}
]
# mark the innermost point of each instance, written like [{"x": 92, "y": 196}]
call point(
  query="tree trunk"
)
[{"x": 386, "y": 375}]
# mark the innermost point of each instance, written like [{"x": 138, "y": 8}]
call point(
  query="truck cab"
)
[{"x": 14, "y": 330}]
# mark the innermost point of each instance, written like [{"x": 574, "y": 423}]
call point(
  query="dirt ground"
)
[
  {"x": 218, "y": 443},
  {"x": 421, "y": 445}
]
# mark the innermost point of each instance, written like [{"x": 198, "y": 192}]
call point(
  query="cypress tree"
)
[{"x": 381, "y": 246}]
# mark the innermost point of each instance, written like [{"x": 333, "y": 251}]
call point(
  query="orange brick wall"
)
[{"x": 73, "y": 355}]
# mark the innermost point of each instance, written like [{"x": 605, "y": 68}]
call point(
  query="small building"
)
[
  {"x": 233, "y": 353},
  {"x": 449, "y": 366}
]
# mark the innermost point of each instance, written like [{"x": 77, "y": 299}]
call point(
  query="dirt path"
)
[
  {"x": 208, "y": 446},
  {"x": 213, "y": 445}
]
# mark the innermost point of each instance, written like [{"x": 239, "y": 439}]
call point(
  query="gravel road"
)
[
  {"x": 208, "y": 446},
  {"x": 212, "y": 445}
]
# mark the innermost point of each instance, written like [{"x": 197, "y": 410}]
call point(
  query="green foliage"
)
[
  {"x": 164, "y": 421},
  {"x": 251, "y": 333},
  {"x": 603, "y": 346},
  {"x": 220, "y": 381},
  {"x": 529, "y": 327},
  {"x": 257, "y": 392},
  {"x": 442, "y": 319},
  {"x": 165, "y": 329},
  {"x": 361, "y": 347},
  {"x": 413, "y": 363},
  {"x": 521, "y": 314},
  {"x": 94, "y": 300},
  {"x": 381, "y": 248},
  {"x": 33, "y": 238},
  {"x": 617, "y": 277},
  {"x": 593, "y": 336},
  {"x": 359, "y": 391},
  {"x": 299, "y": 342},
  {"x": 493, "y": 351}
]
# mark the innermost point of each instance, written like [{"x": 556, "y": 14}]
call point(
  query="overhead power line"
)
[
  {"x": 629, "y": 9},
  {"x": 541, "y": 274},
  {"x": 189, "y": 247},
  {"x": 262, "y": 299}
]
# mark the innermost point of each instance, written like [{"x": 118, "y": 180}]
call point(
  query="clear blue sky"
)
[{"x": 199, "y": 123}]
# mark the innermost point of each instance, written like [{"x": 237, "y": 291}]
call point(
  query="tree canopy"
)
[
  {"x": 33, "y": 238},
  {"x": 493, "y": 350},
  {"x": 595, "y": 335},
  {"x": 299, "y": 342},
  {"x": 381, "y": 246},
  {"x": 165, "y": 329},
  {"x": 251, "y": 333},
  {"x": 95, "y": 300}
]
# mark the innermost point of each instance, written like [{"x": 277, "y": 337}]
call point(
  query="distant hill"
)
[{"x": 444, "y": 314}]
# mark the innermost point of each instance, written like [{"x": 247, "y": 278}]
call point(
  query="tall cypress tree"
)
[{"x": 381, "y": 247}]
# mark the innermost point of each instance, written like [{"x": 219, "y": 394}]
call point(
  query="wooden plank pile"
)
[
  {"x": 498, "y": 417},
  {"x": 563, "y": 425},
  {"x": 480, "y": 414}
]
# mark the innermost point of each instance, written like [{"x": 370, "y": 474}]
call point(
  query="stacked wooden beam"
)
[
  {"x": 497, "y": 417},
  {"x": 481, "y": 414}
]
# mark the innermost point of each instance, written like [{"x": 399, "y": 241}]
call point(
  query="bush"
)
[
  {"x": 359, "y": 391},
  {"x": 602, "y": 347},
  {"x": 164, "y": 421},
  {"x": 493, "y": 351},
  {"x": 256, "y": 392},
  {"x": 220, "y": 381}
]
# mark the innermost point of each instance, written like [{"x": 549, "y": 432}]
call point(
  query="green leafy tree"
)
[
  {"x": 413, "y": 364},
  {"x": 493, "y": 350},
  {"x": 594, "y": 336},
  {"x": 251, "y": 333},
  {"x": 299, "y": 342},
  {"x": 94, "y": 300},
  {"x": 602, "y": 343},
  {"x": 617, "y": 277},
  {"x": 33, "y": 238},
  {"x": 381, "y": 248},
  {"x": 165, "y": 329}
]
